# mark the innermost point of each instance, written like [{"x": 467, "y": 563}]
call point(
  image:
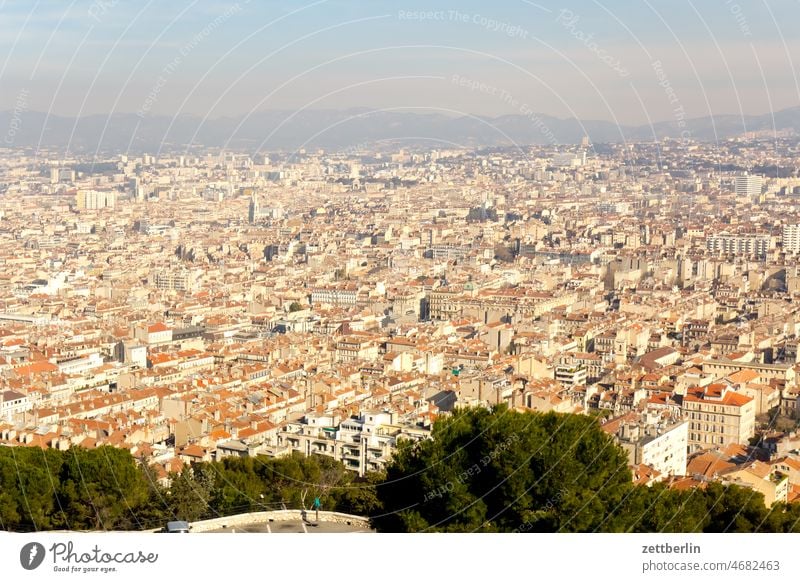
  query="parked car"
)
[{"x": 177, "y": 527}]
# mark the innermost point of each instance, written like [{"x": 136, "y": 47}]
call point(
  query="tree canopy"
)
[
  {"x": 484, "y": 470},
  {"x": 499, "y": 470},
  {"x": 107, "y": 489}
]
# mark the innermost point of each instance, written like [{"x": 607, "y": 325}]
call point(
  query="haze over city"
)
[{"x": 613, "y": 61}]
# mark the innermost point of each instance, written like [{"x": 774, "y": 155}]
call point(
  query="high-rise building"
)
[
  {"x": 253, "y": 210},
  {"x": 791, "y": 238},
  {"x": 95, "y": 199},
  {"x": 569, "y": 160},
  {"x": 256, "y": 214},
  {"x": 214, "y": 194},
  {"x": 747, "y": 185}
]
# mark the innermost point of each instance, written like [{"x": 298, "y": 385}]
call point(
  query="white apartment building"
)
[
  {"x": 660, "y": 445},
  {"x": 571, "y": 375},
  {"x": 158, "y": 333},
  {"x": 95, "y": 199},
  {"x": 736, "y": 244},
  {"x": 13, "y": 403},
  {"x": 791, "y": 238},
  {"x": 748, "y": 186},
  {"x": 363, "y": 443},
  {"x": 334, "y": 295},
  {"x": 174, "y": 279},
  {"x": 80, "y": 364}
]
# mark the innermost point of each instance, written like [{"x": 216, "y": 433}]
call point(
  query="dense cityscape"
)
[
  {"x": 339, "y": 267},
  {"x": 194, "y": 307}
]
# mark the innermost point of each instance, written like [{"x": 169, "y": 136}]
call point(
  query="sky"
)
[{"x": 630, "y": 62}]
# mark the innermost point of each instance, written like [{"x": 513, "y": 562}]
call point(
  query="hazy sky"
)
[{"x": 625, "y": 61}]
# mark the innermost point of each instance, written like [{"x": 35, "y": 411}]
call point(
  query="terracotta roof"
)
[{"x": 708, "y": 465}]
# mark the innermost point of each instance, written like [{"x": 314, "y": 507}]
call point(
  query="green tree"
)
[
  {"x": 497, "y": 470},
  {"x": 484, "y": 470},
  {"x": 360, "y": 497},
  {"x": 155, "y": 511},
  {"x": 735, "y": 509},
  {"x": 661, "y": 509},
  {"x": 191, "y": 492},
  {"x": 101, "y": 489},
  {"x": 28, "y": 480}
]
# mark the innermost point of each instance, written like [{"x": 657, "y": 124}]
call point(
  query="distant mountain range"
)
[{"x": 352, "y": 129}]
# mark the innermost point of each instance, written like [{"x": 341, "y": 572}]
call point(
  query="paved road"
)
[{"x": 292, "y": 527}]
